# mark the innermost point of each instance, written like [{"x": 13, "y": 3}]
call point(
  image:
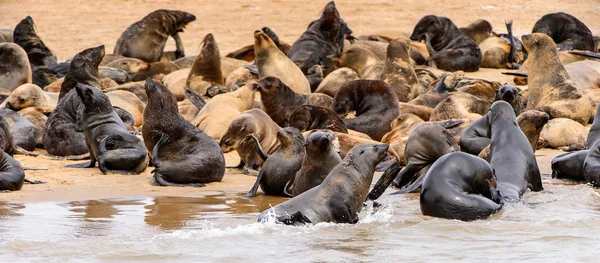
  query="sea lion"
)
[
  {"x": 218, "y": 113},
  {"x": 308, "y": 117},
  {"x": 340, "y": 197},
  {"x": 12, "y": 175},
  {"x": 459, "y": 106},
  {"x": 206, "y": 69},
  {"x": 321, "y": 157},
  {"x": 460, "y": 186},
  {"x": 449, "y": 49},
  {"x": 63, "y": 134},
  {"x": 563, "y": 133},
  {"x": 399, "y": 73},
  {"x": 567, "y": 31},
  {"x": 146, "y": 39},
  {"x": 511, "y": 155},
  {"x": 375, "y": 103},
  {"x": 323, "y": 37},
  {"x": 478, "y": 31},
  {"x": 335, "y": 80},
  {"x": 14, "y": 66},
  {"x": 270, "y": 61},
  {"x": 247, "y": 53},
  {"x": 182, "y": 154},
  {"x": 41, "y": 59},
  {"x": 550, "y": 88},
  {"x": 363, "y": 61},
  {"x": 281, "y": 166},
  {"x": 107, "y": 138},
  {"x": 279, "y": 100}
]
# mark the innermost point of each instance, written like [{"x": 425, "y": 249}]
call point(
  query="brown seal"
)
[
  {"x": 41, "y": 59},
  {"x": 281, "y": 166},
  {"x": 375, "y": 103},
  {"x": 335, "y": 80},
  {"x": 565, "y": 134},
  {"x": 439, "y": 90},
  {"x": 14, "y": 66},
  {"x": 129, "y": 102},
  {"x": 321, "y": 157},
  {"x": 363, "y": 61},
  {"x": 459, "y": 106},
  {"x": 270, "y": 61},
  {"x": 340, "y": 197},
  {"x": 182, "y": 154},
  {"x": 247, "y": 53},
  {"x": 502, "y": 50},
  {"x": 279, "y": 100},
  {"x": 136, "y": 88},
  {"x": 397, "y": 137},
  {"x": 206, "y": 69},
  {"x": 398, "y": 72},
  {"x": 478, "y": 31},
  {"x": 146, "y": 39},
  {"x": 422, "y": 111},
  {"x": 550, "y": 88},
  {"x": 567, "y": 31},
  {"x": 308, "y": 117}
]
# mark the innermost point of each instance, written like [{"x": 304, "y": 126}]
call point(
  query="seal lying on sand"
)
[
  {"x": 15, "y": 69},
  {"x": 146, "y": 39},
  {"x": 567, "y": 31},
  {"x": 460, "y": 186},
  {"x": 182, "y": 154},
  {"x": 340, "y": 197}
]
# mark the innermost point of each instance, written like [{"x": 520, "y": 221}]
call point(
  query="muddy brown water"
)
[{"x": 559, "y": 224}]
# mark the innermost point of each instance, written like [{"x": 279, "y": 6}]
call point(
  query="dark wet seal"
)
[{"x": 568, "y": 32}]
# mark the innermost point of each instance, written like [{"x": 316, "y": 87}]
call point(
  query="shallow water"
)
[{"x": 559, "y": 224}]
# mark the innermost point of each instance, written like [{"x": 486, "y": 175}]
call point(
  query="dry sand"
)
[{"x": 71, "y": 26}]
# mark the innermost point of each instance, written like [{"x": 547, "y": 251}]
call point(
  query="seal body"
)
[
  {"x": 321, "y": 157},
  {"x": 340, "y": 197},
  {"x": 460, "y": 186},
  {"x": 570, "y": 165},
  {"x": 567, "y": 31},
  {"x": 41, "y": 59},
  {"x": 145, "y": 39},
  {"x": 308, "y": 117},
  {"x": 14, "y": 66},
  {"x": 11, "y": 173},
  {"x": 399, "y": 73},
  {"x": 182, "y": 154}
]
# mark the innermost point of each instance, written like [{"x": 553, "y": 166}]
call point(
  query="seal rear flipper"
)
[
  {"x": 252, "y": 68},
  {"x": 588, "y": 54},
  {"x": 294, "y": 218},
  {"x": 90, "y": 164},
  {"x": 20, "y": 150},
  {"x": 406, "y": 176},
  {"x": 449, "y": 124},
  {"x": 535, "y": 182},
  {"x": 33, "y": 181},
  {"x": 261, "y": 152},
  {"x": 384, "y": 181},
  {"x": 518, "y": 74},
  {"x": 252, "y": 191},
  {"x": 195, "y": 98},
  {"x": 414, "y": 186},
  {"x": 511, "y": 53},
  {"x": 287, "y": 189}
]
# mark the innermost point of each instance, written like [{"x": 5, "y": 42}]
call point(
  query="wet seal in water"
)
[
  {"x": 107, "y": 138},
  {"x": 280, "y": 167},
  {"x": 308, "y": 117},
  {"x": 340, "y": 197},
  {"x": 182, "y": 154},
  {"x": 449, "y": 48},
  {"x": 321, "y": 157},
  {"x": 460, "y": 186},
  {"x": 568, "y": 32},
  {"x": 40, "y": 57},
  {"x": 375, "y": 103},
  {"x": 511, "y": 155},
  {"x": 551, "y": 90},
  {"x": 146, "y": 39},
  {"x": 15, "y": 69},
  {"x": 279, "y": 100},
  {"x": 63, "y": 134}
]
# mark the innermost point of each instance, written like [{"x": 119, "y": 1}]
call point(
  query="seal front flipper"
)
[
  {"x": 90, "y": 164},
  {"x": 261, "y": 152},
  {"x": 252, "y": 191},
  {"x": 384, "y": 181},
  {"x": 33, "y": 181},
  {"x": 252, "y": 68},
  {"x": 179, "y": 53},
  {"x": 406, "y": 176},
  {"x": 416, "y": 184},
  {"x": 294, "y": 218},
  {"x": 195, "y": 98}
]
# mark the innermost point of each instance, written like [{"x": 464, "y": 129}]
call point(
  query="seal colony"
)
[{"x": 315, "y": 120}]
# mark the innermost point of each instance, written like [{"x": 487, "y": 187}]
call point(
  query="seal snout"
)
[{"x": 189, "y": 17}]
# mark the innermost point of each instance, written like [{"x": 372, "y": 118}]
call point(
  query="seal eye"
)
[{"x": 362, "y": 151}]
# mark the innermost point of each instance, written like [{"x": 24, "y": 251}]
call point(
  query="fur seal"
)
[
  {"x": 130, "y": 103},
  {"x": 478, "y": 31},
  {"x": 550, "y": 88},
  {"x": 63, "y": 135},
  {"x": 308, "y": 117},
  {"x": 182, "y": 154},
  {"x": 279, "y": 100},
  {"x": 397, "y": 137},
  {"x": 511, "y": 155},
  {"x": 14, "y": 66},
  {"x": 12, "y": 175},
  {"x": 375, "y": 103},
  {"x": 31, "y": 95},
  {"x": 511, "y": 95},
  {"x": 340, "y": 197},
  {"x": 41, "y": 59},
  {"x": 567, "y": 31},
  {"x": 270, "y": 61},
  {"x": 449, "y": 49},
  {"x": 107, "y": 138},
  {"x": 439, "y": 90},
  {"x": 280, "y": 167},
  {"x": 146, "y": 39},
  {"x": 398, "y": 72},
  {"x": 502, "y": 50},
  {"x": 565, "y": 134},
  {"x": 460, "y": 186},
  {"x": 247, "y": 53},
  {"x": 24, "y": 133},
  {"x": 321, "y": 157},
  {"x": 206, "y": 69},
  {"x": 460, "y": 106},
  {"x": 335, "y": 80},
  {"x": 569, "y": 165},
  {"x": 363, "y": 61}
]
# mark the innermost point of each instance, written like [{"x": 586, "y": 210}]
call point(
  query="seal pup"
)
[
  {"x": 279, "y": 100},
  {"x": 41, "y": 59},
  {"x": 270, "y": 61},
  {"x": 340, "y": 197},
  {"x": 460, "y": 186},
  {"x": 308, "y": 117},
  {"x": 281, "y": 167},
  {"x": 564, "y": 134},
  {"x": 511, "y": 155},
  {"x": 375, "y": 103},
  {"x": 567, "y": 31},
  {"x": 449, "y": 49},
  {"x": 335, "y": 80},
  {"x": 321, "y": 157},
  {"x": 478, "y": 31},
  {"x": 63, "y": 134},
  {"x": 15, "y": 69},
  {"x": 182, "y": 154},
  {"x": 399, "y": 73},
  {"x": 550, "y": 88},
  {"x": 146, "y": 39}
]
